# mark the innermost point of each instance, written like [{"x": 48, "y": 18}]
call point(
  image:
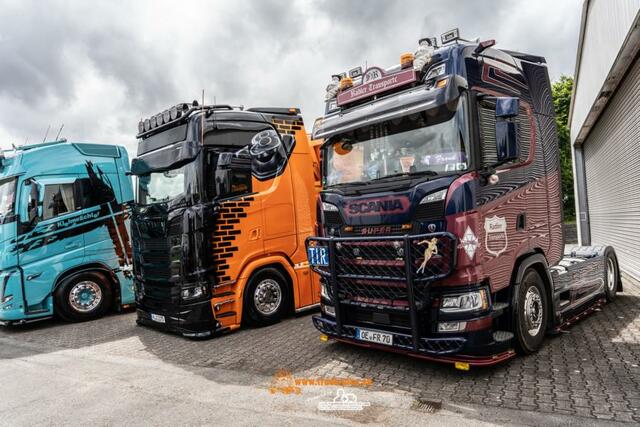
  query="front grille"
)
[
  {"x": 332, "y": 217},
  {"x": 430, "y": 211},
  {"x": 377, "y": 229}
]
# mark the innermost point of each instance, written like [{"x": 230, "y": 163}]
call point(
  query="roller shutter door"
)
[{"x": 612, "y": 165}]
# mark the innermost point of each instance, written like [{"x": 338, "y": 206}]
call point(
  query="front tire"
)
[
  {"x": 531, "y": 316},
  {"x": 266, "y": 297},
  {"x": 83, "y": 296}
]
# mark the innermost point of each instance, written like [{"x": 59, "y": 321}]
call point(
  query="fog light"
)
[
  {"x": 324, "y": 338},
  {"x": 451, "y": 326},
  {"x": 328, "y": 310},
  {"x": 192, "y": 292}
]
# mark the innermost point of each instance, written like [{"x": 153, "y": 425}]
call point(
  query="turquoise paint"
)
[{"x": 34, "y": 256}]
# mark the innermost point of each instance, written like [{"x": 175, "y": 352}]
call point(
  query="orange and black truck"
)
[
  {"x": 441, "y": 217},
  {"x": 225, "y": 200}
]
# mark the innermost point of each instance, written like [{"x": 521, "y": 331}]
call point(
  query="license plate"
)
[
  {"x": 374, "y": 336},
  {"x": 158, "y": 318},
  {"x": 318, "y": 255}
]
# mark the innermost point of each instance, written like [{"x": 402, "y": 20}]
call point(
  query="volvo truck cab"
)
[{"x": 64, "y": 242}]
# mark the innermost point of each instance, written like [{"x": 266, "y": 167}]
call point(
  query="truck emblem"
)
[
  {"x": 495, "y": 239},
  {"x": 377, "y": 206},
  {"x": 430, "y": 250},
  {"x": 469, "y": 242}
]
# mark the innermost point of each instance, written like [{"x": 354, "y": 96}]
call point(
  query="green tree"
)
[{"x": 561, "y": 91}]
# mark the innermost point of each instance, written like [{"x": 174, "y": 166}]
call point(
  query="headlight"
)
[
  {"x": 469, "y": 301},
  {"x": 435, "y": 72},
  {"x": 434, "y": 197},
  {"x": 192, "y": 292},
  {"x": 328, "y": 207},
  {"x": 7, "y": 298}
]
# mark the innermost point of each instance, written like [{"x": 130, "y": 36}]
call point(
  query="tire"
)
[
  {"x": 611, "y": 275},
  {"x": 532, "y": 313},
  {"x": 83, "y": 296},
  {"x": 266, "y": 297}
]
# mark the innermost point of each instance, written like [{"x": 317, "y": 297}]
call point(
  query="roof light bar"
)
[
  {"x": 450, "y": 36},
  {"x": 355, "y": 72}
]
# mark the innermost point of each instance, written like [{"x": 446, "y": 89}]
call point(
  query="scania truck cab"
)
[
  {"x": 226, "y": 198},
  {"x": 64, "y": 243},
  {"x": 441, "y": 220}
]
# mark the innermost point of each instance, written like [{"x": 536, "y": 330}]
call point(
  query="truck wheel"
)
[
  {"x": 611, "y": 275},
  {"x": 266, "y": 297},
  {"x": 532, "y": 313},
  {"x": 83, "y": 296}
]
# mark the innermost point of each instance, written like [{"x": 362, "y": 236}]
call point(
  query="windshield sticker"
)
[{"x": 406, "y": 163}]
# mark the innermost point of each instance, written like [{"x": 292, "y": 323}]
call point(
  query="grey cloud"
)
[{"x": 140, "y": 57}]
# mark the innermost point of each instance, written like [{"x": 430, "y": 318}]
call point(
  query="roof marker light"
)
[
  {"x": 484, "y": 45},
  {"x": 154, "y": 123},
  {"x": 345, "y": 83},
  {"x": 406, "y": 60},
  {"x": 166, "y": 116},
  {"x": 141, "y": 126},
  {"x": 147, "y": 124}
]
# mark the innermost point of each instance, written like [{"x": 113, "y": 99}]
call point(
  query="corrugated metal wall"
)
[
  {"x": 612, "y": 163},
  {"x": 607, "y": 24}
]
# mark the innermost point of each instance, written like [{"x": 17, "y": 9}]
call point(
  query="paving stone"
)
[{"x": 593, "y": 371}]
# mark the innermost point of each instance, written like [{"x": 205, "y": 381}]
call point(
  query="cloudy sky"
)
[{"x": 99, "y": 66}]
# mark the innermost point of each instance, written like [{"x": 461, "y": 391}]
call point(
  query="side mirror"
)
[{"x": 507, "y": 147}]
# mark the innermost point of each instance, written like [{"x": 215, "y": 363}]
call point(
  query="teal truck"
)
[{"x": 64, "y": 241}]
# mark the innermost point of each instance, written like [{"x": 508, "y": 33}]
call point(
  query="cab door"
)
[{"x": 53, "y": 241}]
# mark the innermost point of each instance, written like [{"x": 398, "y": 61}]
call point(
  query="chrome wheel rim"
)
[
  {"x": 267, "y": 297},
  {"x": 533, "y": 311},
  {"x": 611, "y": 275},
  {"x": 85, "y": 296}
]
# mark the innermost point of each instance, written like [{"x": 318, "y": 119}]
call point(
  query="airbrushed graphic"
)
[{"x": 495, "y": 235}]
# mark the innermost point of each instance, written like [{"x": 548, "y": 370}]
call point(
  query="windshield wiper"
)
[{"x": 395, "y": 175}]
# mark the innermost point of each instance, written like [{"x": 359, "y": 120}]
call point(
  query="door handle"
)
[
  {"x": 254, "y": 234},
  {"x": 522, "y": 222},
  {"x": 34, "y": 276}
]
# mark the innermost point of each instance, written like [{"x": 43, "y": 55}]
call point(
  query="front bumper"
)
[
  {"x": 194, "y": 320},
  {"x": 474, "y": 348},
  {"x": 385, "y": 284}
]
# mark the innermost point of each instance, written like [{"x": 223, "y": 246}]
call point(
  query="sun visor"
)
[{"x": 167, "y": 158}]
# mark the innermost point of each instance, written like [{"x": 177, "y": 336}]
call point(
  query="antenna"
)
[
  {"x": 46, "y": 133},
  {"x": 59, "y": 132},
  {"x": 202, "y": 121}
]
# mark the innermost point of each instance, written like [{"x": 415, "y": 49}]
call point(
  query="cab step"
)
[
  {"x": 223, "y": 294},
  {"x": 226, "y": 314}
]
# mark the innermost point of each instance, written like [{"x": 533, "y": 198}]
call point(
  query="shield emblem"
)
[{"x": 495, "y": 238}]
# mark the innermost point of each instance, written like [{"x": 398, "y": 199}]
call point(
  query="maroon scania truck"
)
[{"x": 441, "y": 231}]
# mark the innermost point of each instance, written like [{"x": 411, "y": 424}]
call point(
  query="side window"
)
[
  {"x": 84, "y": 194},
  {"x": 58, "y": 200},
  {"x": 232, "y": 182}
]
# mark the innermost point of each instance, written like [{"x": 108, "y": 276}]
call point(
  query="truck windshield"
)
[
  {"x": 427, "y": 143},
  {"x": 163, "y": 186},
  {"x": 7, "y": 196}
]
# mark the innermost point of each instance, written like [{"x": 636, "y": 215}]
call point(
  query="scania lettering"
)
[
  {"x": 65, "y": 244},
  {"x": 226, "y": 198},
  {"x": 441, "y": 221}
]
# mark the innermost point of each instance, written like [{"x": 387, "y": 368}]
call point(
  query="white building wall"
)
[{"x": 607, "y": 25}]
